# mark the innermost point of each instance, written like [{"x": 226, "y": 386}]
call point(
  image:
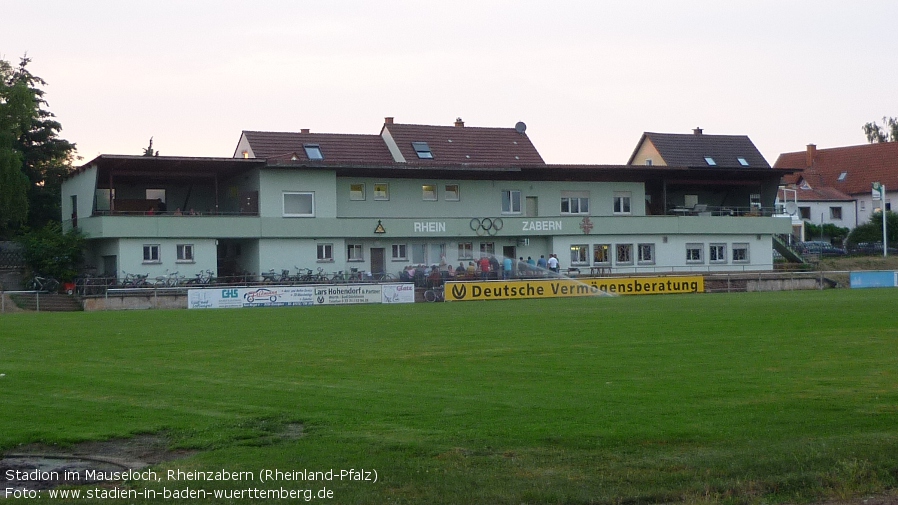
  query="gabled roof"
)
[
  {"x": 690, "y": 150},
  {"x": 464, "y": 144},
  {"x": 862, "y": 165},
  {"x": 335, "y": 147},
  {"x": 812, "y": 194}
]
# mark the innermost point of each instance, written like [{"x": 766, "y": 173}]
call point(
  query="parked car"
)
[
  {"x": 820, "y": 247},
  {"x": 869, "y": 248}
]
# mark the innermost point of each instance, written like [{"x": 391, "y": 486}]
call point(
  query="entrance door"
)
[
  {"x": 532, "y": 209},
  {"x": 377, "y": 260},
  {"x": 249, "y": 202},
  {"x": 110, "y": 266}
]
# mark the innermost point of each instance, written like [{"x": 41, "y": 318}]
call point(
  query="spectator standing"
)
[
  {"x": 484, "y": 267},
  {"x": 553, "y": 263},
  {"x": 541, "y": 263},
  {"x": 506, "y": 268}
]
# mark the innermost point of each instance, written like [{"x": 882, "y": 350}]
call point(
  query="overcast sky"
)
[{"x": 586, "y": 77}]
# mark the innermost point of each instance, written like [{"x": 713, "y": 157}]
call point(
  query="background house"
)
[{"x": 834, "y": 178}]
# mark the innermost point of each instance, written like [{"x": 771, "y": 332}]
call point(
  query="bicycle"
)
[
  {"x": 169, "y": 280},
  {"x": 43, "y": 284},
  {"x": 435, "y": 294}
]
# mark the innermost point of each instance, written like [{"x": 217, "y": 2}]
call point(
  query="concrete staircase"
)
[{"x": 45, "y": 302}]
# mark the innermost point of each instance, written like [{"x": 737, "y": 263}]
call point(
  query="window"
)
[
  {"x": 422, "y": 150},
  {"x": 842, "y": 176},
  {"x": 325, "y": 252},
  {"x": 465, "y": 250},
  {"x": 694, "y": 253},
  {"x": 690, "y": 201},
  {"x": 487, "y": 248},
  {"x": 624, "y": 254},
  {"x": 863, "y": 205},
  {"x": 742, "y": 161},
  {"x": 156, "y": 194},
  {"x": 299, "y": 204},
  {"x": 451, "y": 193},
  {"x": 354, "y": 252},
  {"x": 601, "y": 254},
  {"x": 151, "y": 253},
  {"x": 646, "y": 254},
  {"x": 755, "y": 200},
  {"x": 511, "y": 202},
  {"x": 579, "y": 255},
  {"x": 648, "y": 162},
  {"x": 313, "y": 152},
  {"x": 710, "y": 161},
  {"x": 381, "y": 191},
  {"x": 185, "y": 253},
  {"x": 717, "y": 253},
  {"x": 400, "y": 252},
  {"x": 575, "y": 202},
  {"x": 740, "y": 253},
  {"x": 103, "y": 198},
  {"x": 429, "y": 192},
  {"x": 804, "y": 212},
  {"x": 835, "y": 212},
  {"x": 622, "y": 202},
  {"x": 356, "y": 191}
]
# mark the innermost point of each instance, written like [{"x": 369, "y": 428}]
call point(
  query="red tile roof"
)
[
  {"x": 465, "y": 144},
  {"x": 862, "y": 165},
  {"x": 335, "y": 147}
]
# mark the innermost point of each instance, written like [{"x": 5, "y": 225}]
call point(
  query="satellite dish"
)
[
  {"x": 520, "y": 127},
  {"x": 791, "y": 208}
]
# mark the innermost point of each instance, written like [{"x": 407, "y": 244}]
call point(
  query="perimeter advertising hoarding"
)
[
  {"x": 298, "y": 296},
  {"x": 874, "y": 279},
  {"x": 553, "y": 288}
]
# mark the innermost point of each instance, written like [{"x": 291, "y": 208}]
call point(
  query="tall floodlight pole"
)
[{"x": 881, "y": 189}]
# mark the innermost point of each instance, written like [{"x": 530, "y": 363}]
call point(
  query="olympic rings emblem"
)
[{"x": 486, "y": 225}]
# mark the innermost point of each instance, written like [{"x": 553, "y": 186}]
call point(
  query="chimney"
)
[
  {"x": 388, "y": 120},
  {"x": 697, "y": 131},
  {"x": 304, "y": 130},
  {"x": 812, "y": 153},
  {"x": 459, "y": 123}
]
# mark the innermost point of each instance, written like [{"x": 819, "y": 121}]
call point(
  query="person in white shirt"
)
[{"x": 553, "y": 263}]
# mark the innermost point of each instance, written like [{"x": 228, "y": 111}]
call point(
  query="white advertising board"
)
[{"x": 297, "y": 296}]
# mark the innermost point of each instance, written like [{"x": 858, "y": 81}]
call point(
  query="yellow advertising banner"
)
[{"x": 553, "y": 288}]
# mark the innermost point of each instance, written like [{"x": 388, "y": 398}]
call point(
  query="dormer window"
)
[
  {"x": 842, "y": 176},
  {"x": 313, "y": 151},
  {"x": 742, "y": 161},
  {"x": 422, "y": 150},
  {"x": 710, "y": 161}
]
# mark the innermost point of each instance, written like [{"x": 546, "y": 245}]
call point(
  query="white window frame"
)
[
  {"x": 184, "y": 253},
  {"x": 487, "y": 248},
  {"x": 623, "y": 203},
  {"x": 152, "y": 253},
  {"x": 325, "y": 252},
  {"x": 429, "y": 192},
  {"x": 355, "y": 252},
  {"x": 619, "y": 249},
  {"x": 579, "y": 254},
  {"x": 313, "y": 152},
  {"x": 695, "y": 248},
  {"x": 381, "y": 191},
  {"x": 607, "y": 254},
  {"x": 451, "y": 193},
  {"x": 741, "y": 247},
  {"x": 357, "y": 191},
  {"x": 832, "y": 213},
  {"x": 645, "y": 254},
  {"x": 513, "y": 199},
  {"x": 574, "y": 202},
  {"x": 466, "y": 250},
  {"x": 399, "y": 252},
  {"x": 717, "y": 253},
  {"x": 311, "y": 195}
]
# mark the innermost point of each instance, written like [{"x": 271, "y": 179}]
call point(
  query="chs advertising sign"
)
[
  {"x": 554, "y": 288},
  {"x": 294, "y": 296}
]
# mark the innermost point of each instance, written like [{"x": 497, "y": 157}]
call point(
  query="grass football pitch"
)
[{"x": 737, "y": 398}]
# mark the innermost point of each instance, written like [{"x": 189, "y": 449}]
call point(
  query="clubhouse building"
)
[{"x": 421, "y": 194}]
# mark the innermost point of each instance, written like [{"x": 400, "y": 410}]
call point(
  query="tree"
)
[
  {"x": 888, "y": 132},
  {"x": 50, "y": 252},
  {"x": 46, "y": 158},
  {"x": 16, "y": 105},
  {"x": 872, "y": 230},
  {"x": 148, "y": 151}
]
